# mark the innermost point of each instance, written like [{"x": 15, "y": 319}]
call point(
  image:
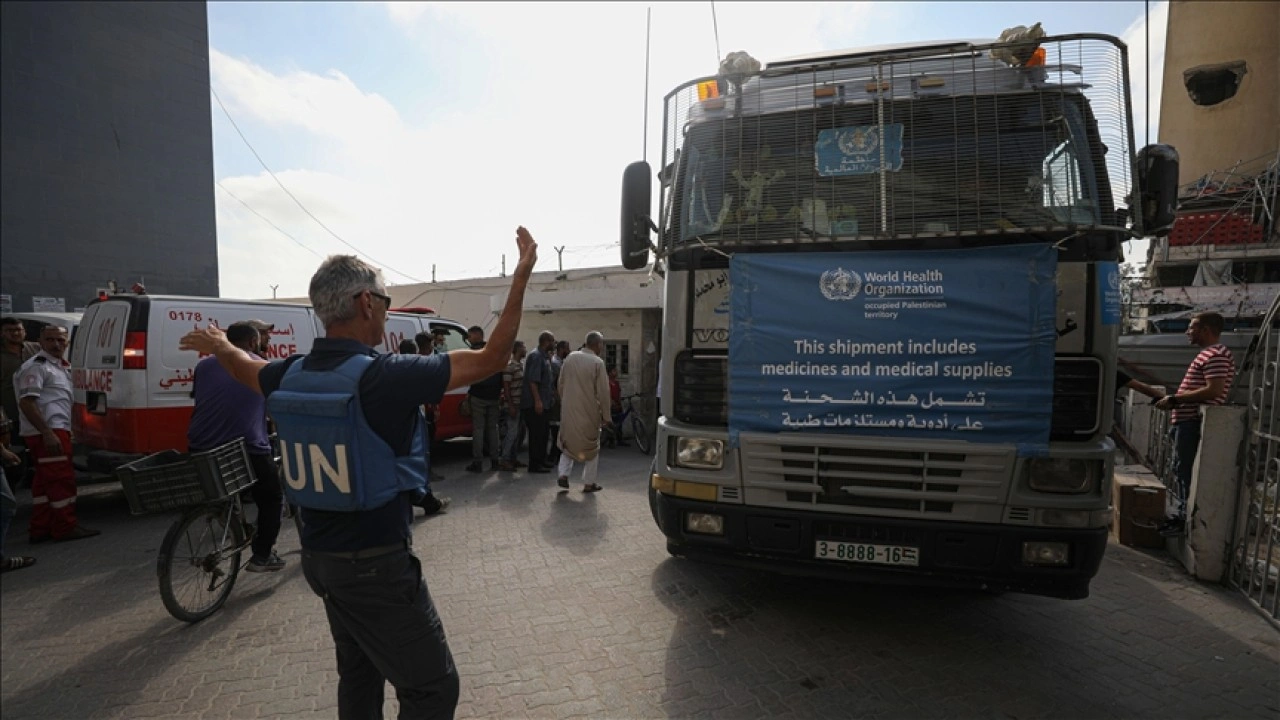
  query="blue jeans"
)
[
  {"x": 515, "y": 436},
  {"x": 8, "y": 508},
  {"x": 1186, "y": 443}
]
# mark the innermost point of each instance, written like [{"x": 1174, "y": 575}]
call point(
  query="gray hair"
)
[
  {"x": 337, "y": 282},
  {"x": 594, "y": 338}
]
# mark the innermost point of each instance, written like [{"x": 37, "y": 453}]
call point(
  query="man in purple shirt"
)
[{"x": 225, "y": 411}]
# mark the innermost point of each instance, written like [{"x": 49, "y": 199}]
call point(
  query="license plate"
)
[{"x": 867, "y": 553}]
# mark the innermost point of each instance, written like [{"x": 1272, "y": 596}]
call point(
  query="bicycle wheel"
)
[
  {"x": 641, "y": 434},
  {"x": 196, "y": 571}
]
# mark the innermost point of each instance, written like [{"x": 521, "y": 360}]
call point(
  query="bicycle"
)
[
  {"x": 200, "y": 557},
  {"x": 612, "y": 435}
]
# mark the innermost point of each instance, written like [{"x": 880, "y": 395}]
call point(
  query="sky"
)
[{"x": 420, "y": 135}]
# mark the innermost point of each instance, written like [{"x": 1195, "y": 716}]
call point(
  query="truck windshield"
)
[{"x": 927, "y": 167}]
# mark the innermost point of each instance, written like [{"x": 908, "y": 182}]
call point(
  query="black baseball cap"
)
[{"x": 241, "y": 332}]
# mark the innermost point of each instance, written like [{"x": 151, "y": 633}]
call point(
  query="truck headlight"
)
[
  {"x": 1046, "y": 553},
  {"x": 699, "y": 453},
  {"x": 704, "y": 523},
  {"x": 1062, "y": 475}
]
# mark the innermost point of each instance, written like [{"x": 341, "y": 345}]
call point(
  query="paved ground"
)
[{"x": 568, "y": 605}]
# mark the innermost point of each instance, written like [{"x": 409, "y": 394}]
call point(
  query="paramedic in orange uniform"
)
[{"x": 43, "y": 386}]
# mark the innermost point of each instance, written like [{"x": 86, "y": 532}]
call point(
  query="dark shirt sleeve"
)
[
  {"x": 1122, "y": 379},
  {"x": 271, "y": 374}
]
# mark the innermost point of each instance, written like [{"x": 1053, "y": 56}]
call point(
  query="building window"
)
[
  {"x": 1211, "y": 84},
  {"x": 616, "y": 354}
]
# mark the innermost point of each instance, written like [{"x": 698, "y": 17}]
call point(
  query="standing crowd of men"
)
[{"x": 539, "y": 395}]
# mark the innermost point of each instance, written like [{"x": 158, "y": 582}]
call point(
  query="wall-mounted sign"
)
[{"x": 48, "y": 304}]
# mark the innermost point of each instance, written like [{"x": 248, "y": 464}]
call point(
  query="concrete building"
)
[
  {"x": 108, "y": 151},
  {"x": 1221, "y": 109},
  {"x": 1221, "y": 95},
  {"x": 624, "y": 305}
]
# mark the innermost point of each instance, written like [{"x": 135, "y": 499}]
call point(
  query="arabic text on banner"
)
[{"x": 948, "y": 344}]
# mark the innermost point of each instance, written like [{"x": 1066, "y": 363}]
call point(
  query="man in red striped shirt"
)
[{"x": 1207, "y": 382}]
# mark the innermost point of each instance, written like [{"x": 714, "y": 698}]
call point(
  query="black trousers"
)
[
  {"x": 385, "y": 628},
  {"x": 539, "y": 437},
  {"x": 553, "y": 432},
  {"x": 268, "y": 495}
]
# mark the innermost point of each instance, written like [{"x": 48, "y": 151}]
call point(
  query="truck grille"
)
[
  {"x": 1077, "y": 387},
  {"x": 873, "y": 476},
  {"x": 702, "y": 389}
]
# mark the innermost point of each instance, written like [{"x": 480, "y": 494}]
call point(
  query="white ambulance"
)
[{"x": 133, "y": 385}]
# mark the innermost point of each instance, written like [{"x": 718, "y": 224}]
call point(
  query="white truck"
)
[{"x": 892, "y": 306}]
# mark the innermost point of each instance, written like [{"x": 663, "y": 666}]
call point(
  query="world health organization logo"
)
[
  {"x": 859, "y": 140},
  {"x": 840, "y": 284}
]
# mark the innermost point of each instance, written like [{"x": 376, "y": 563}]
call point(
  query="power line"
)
[
  {"x": 716, "y": 25},
  {"x": 268, "y": 221},
  {"x": 295, "y": 199}
]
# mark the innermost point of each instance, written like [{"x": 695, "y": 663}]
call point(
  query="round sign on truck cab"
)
[{"x": 133, "y": 386}]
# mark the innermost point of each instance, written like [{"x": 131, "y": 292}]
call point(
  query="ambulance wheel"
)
[{"x": 199, "y": 562}]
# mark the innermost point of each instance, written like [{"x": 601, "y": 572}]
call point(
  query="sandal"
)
[
  {"x": 16, "y": 562},
  {"x": 563, "y": 482},
  {"x": 593, "y": 487}
]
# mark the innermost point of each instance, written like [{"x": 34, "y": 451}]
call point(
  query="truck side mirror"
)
[
  {"x": 636, "y": 199},
  {"x": 1157, "y": 190}
]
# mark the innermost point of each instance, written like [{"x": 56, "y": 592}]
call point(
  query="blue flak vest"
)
[{"x": 331, "y": 459}]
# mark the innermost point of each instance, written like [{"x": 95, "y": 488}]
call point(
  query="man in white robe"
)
[{"x": 584, "y": 409}]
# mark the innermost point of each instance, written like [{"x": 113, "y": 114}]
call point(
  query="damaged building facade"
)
[{"x": 1221, "y": 109}]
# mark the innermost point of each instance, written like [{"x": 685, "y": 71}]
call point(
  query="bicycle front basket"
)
[{"x": 224, "y": 470}]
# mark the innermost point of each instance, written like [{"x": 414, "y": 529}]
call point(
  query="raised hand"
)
[
  {"x": 528, "y": 250},
  {"x": 204, "y": 341}
]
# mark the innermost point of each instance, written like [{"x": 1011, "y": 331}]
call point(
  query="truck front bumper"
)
[{"x": 953, "y": 554}]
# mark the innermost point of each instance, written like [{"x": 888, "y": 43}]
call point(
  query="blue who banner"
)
[
  {"x": 945, "y": 344},
  {"x": 1109, "y": 292}
]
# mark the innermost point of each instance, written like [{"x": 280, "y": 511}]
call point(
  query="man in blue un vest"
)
[{"x": 354, "y": 459}]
